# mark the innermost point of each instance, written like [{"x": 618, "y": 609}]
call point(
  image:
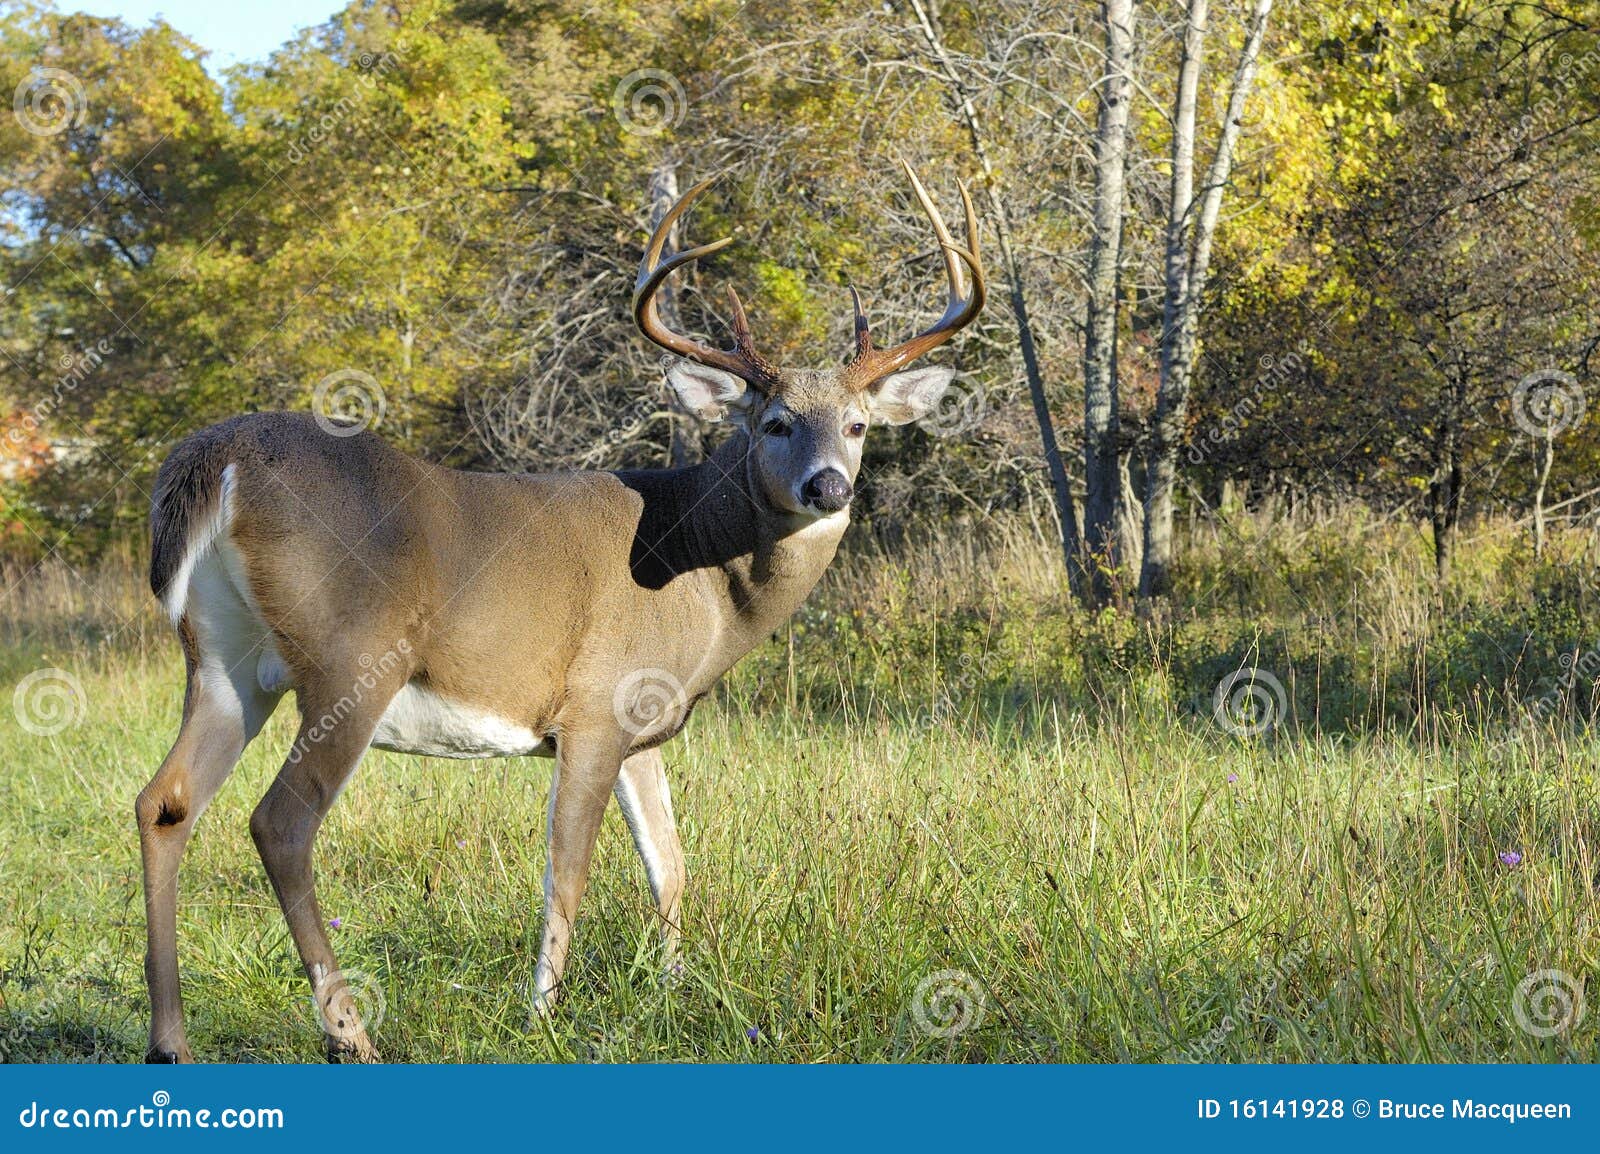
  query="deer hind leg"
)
[
  {"x": 224, "y": 707},
  {"x": 587, "y": 767},
  {"x": 338, "y": 718},
  {"x": 646, "y": 803}
]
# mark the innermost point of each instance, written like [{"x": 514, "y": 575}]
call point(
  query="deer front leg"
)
[
  {"x": 587, "y": 766},
  {"x": 646, "y": 803}
]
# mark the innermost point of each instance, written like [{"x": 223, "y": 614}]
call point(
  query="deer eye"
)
[
  {"x": 857, "y": 429},
  {"x": 775, "y": 427}
]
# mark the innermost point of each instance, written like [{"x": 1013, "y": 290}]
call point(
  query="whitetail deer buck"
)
[{"x": 416, "y": 608}]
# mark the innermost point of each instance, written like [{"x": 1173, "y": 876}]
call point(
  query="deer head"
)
[{"x": 806, "y": 425}]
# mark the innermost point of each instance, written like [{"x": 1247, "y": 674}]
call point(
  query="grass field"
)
[{"x": 946, "y": 818}]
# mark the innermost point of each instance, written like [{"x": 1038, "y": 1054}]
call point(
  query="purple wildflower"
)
[
  {"x": 1232, "y": 777},
  {"x": 753, "y": 1033},
  {"x": 335, "y": 923},
  {"x": 1511, "y": 858}
]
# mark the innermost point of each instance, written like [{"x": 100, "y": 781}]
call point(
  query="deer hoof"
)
[
  {"x": 357, "y": 1050},
  {"x": 156, "y": 1056},
  {"x": 546, "y": 993}
]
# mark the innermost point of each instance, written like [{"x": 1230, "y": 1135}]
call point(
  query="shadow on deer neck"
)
[{"x": 713, "y": 516}]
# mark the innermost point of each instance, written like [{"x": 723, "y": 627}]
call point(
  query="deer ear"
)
[
  {"x": 901, "y": 398},
  {"x": 706, "y": 392}
]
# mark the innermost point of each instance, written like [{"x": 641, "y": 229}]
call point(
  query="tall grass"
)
[{"x": 945, "y": 816}]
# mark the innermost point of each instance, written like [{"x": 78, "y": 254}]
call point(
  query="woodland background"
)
[{"x": 438, "y": 206}]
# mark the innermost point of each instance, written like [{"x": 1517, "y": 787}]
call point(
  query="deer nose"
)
[{"x": 828, "y": 490}]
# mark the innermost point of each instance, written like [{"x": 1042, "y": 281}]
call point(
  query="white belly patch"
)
[{"x": 419, "y": 720}]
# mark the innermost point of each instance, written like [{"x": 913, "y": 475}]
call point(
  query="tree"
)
[
  {"x": 1102, "y": 478},
  {"x": 201, "y": 257},
  {"x": 1191, "y": 230},
  {"x": 1473, "y": 297}
]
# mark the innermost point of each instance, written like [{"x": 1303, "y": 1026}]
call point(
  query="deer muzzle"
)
[{"x": 827, "y": 490}]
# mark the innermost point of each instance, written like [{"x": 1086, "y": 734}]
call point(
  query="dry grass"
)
[{"x": 971, "y": 777}]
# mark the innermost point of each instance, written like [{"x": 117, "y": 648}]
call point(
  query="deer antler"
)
[
  {"x": 742, "y": 360},
  {"x": 872, "y": 364}
]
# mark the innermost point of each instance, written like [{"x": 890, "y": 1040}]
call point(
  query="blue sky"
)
[{"x": 231, "y": 30}]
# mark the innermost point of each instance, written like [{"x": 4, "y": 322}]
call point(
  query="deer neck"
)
[{"x": 711, "y": 523}]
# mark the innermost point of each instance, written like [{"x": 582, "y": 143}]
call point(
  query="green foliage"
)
[{"x": 240, "y": 244}]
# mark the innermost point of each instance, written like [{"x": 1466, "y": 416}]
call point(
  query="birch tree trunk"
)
[
  {"x": 1191, "y": 228},
  {"x": 1547, "y": 455},
  {"x": 1100, "y": 425},
  {"x": 1130, "y": 513}
]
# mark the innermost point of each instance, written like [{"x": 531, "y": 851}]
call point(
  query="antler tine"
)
[
  {"x": 742, "y": 360},
  {"x": 862, "y": 330},
  {"x": 964, "y": 304},
  {"x": 658, "y": 239},
  {"x": 952, "y": 266},
  {"x": 740, "y": 324},
  {"x": 974, "y": 237}
]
